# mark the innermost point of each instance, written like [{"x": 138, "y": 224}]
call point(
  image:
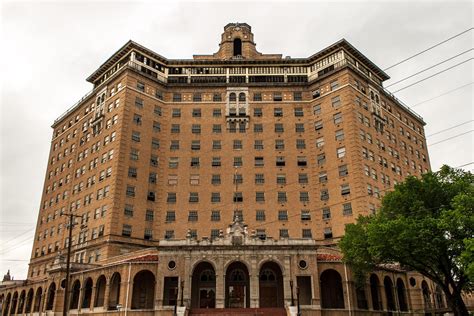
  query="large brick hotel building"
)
[{"x": 223, "y": 183}]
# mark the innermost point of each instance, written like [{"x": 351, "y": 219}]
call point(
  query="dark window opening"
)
[{"x": 237, "y": 47}]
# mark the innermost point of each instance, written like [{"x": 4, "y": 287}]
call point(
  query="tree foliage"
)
[{"x": 425, "y": 225}]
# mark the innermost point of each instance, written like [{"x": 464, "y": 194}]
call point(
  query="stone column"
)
[
  {"x": 287, "y": 276},
  {"x": 254, "y": 282},
  {"x": 220, "y": 283},
  {"x": 93, "y": 294},
  {"x": 188, "y": 280}
]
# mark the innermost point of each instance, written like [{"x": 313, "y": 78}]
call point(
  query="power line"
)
[
  {"x": 441, "y": 141},
  {"x": 466, "y": 164},
  {"x": 421, "y": 71},
  {"x": 429, "y": 48},
  {"x": 433, "y": 75},
  {"x": 443, "y": 94},
  {"x": 449, "y": 128}
]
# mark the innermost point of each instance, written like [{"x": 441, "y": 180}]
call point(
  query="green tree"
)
[{"x": 425, "y": 224}]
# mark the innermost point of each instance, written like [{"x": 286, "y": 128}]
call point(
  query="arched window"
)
[
  {"x": 388, "y": 286},
  {"x": 241, "y": 97},
  {"x": 99, "y": 291},
  {"x": 21, "y": 302},
  {"x": 203, "y": 287},
  {"x": 29, "y": 301},
  {"x": 14, "y": 303},
  {"x": 332, "y": 295},
  {"x": 6, "y": 304},
  {"x": 50, "y": 297},
  {"x": 375, "y": 292},
  {"x": 39, "y": 293},
  {"x": 143, "y": 290},
  {"x": 271, "y": 286},
  {"x": 232, "y": 97},
  {"x": 426, "y": 294},
  {"x": 402, "y": 297},
  {"x": 114, "y": 293},
  {"x": 75, "y": 291},
  {"x": 237, "y": 47},
  {"x": 87, "y": 296}
]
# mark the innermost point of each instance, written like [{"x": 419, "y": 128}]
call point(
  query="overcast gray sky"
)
[{"x": 49, "y": 48}]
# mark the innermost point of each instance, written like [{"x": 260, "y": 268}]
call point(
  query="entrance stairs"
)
[{"x": 237, "y": 312}]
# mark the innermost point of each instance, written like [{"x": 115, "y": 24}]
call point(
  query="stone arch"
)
[
  {"x": 237, "y": 47},
  {"x": 6, "y": 304},
  {"x": 87, "y": 295},
  {"x": 237, "y": 285},
  {"x": 388, "y": 287},
  {"x": 271, "y": 285},
  {"x": 114, "y": 292},
  {"x": 276, "y": 261},
  {"x": 198, "y": 262},
  {"x": 232, "y": 261},
  {"x": 332, "y": 294},
  {"x": 375, "y": 292},
  {"x": 38, "y": 296},
  {"x": 143, "y": 294},
  {"x": 203, "y": 286},
  {"x": 14, "y": 303},
  {"x": 242, "y": 97},
  {"x": 75, "y": 291},
  {"x": 232, "y": 97},
  {"x": 29, "y": 301},
  {"x": 100, "y": 291},
  {"x": 21, "y": 302},
  {"x": 402, "y": 296},
  {"x": 50, "y": 296}
]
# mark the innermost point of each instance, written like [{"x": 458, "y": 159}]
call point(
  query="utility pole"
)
[{"x": 68, "y": 261}]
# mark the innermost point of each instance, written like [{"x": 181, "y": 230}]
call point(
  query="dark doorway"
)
[
  {"x": 21, "y": 302},
  {"x": 99, "y": 291},
  {"x": 271, "y": 285},
  {"x": 237, "y": 289},
  {"x": 75, "y": 291},
  {"x": 14, "y": 303},
  {"x": 402, "y": 297},
  {"x": 29, "y": 301},
  {"x": 50, "y": 297},
  {"x": 170, "y": 292},
  {"x": 332, "y": 295},
  {"x": 86, "y": 301},
  {"x": 237, "y": 47},
  {"x": 114, "y": 293},
  {"x": 204, "y": 286},
  {"x": 38, "y": 296},
  {"x": 388, "y": 285},
  {"x": 143, "y": 290},
  {"x": 375, "y": 292},
  {"x": 304, "y": 285}
]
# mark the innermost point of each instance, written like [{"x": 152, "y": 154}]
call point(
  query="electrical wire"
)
[
  {"x": 444, "y": 140},
  {"x": 466, "y": 164},
  {"x": 449, "y": 128},
  {"x": 429, "y": 48},
  {"x": 421, "y": 71},
  {"x": 433, "y": 75},
  {"x": 443, "y": 94}
]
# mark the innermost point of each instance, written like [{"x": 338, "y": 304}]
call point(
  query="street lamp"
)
[
  {"x": 292, "y": 298},
  {"x": 68, "y": 260}
]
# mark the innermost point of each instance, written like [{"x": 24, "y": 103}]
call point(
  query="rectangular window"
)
[
  {"x": 195, "y": 162},
  {"x": 148, "y": 235},
  {"x": 152, "y": 177},
  {"x": 304, "y": 196},
  {"x": 149, "y": 216},
  {"x": 171, "y": 197},
  {"x": 260, "y": 216},
  {"x": 305, "y": 215},
  {"x": 156, "y": 126},
  {"x": 300, "y": 144},
  {"x": 283, "y": 215},
  {"x": 237, "y": 144},
  {"x": 334, "y": 84},
  {"x": 170, "y": 216},
  {"x": 306, "y": 233},
  {"x": 196, "y": 112},
  {"x": 284, "y": 233},
  {"x": 141, "y": 86},
  {"x": 139, "y": 102},
  {"x": 128, "y": 210},
  {"x": 321, "y": 158},
  {"x": 324, "y": 195},
  {"x": 157, "y": 110},
  {"x": 281, "y": 197},
  {"x": 216, "y": 161},
  {"x": 195, "y": 145},
  {"x": 193, "y": 197},
  {"x": 257, "y": 112},
  {"x": 169, "y": 234},
  {"x": 259, "y": 178},
  {"x": 194, "y": 179},
  {"x": 216, "y": 97},
  {"x": 279, "y": 144},
  {"x": 216, "y": 144},
  {"x": 136, "y": 136},
  {"x": 257, "y": 97},
  {"x": 299, "y": 128},
  {"x": 259, "y": 162},
  {"x": 281, "y": 178},
  {"x": 299, "y": 112},
  {"x": 217, "y": 128},
  {"x": 297, "y": 96},
  {"x": 317, "y": 109},
  {"x": 323, "y": 177},
  {"x": 130, "y": 191},
  {"x": 137, "y": 119},
  {"x": 278, "y": 112},
  {"x": 301, "y": 161},
  {"x": 258, "y": 128},
  {"x": 238, "y": 162},
  {"x": 280, "y": 161},
  {"x": 196, "y": 128},
  {"x": 336, "y": 102},
  {"x": 132, "y": 172},
  {"x": 343, "y": 171},
  {"x": 326, "y": 213},
  {"x": 126, "y": 230},
  {"x": 155, "y": 143},
  {"x": 279, "y": 128},
  {"x": 345, "y": 189},
  {"x": 176, "y": 97},
  {"x": 340, "y": 135},
  {"x": 347, "y": 209},
  {"x": 320, "y": 142},
  {"x": 176, "y": 112},
  {"x": 215, "y": 216},
  {"x": 159, "y": 95},
  {"x": 216, "y": 179},
  {"x": 260, "y": 196},
  {"x": 175, "y": 128},
  {"x": 238, "y": 197},
  {"x": 337, "y": 118},
  {"x": 327, "y": 233},
  {"x": 174, "y": 145},
  {"x": 261, "y": 234},
  {"x": 197, "y": 97},
  {"x": 341, "y": 152},
  {"x": 258, "y": 145},
  {"x": 277, "y": 96},
  {"x": 303, "y": 178},
  {"x": 192, "y": 216}
]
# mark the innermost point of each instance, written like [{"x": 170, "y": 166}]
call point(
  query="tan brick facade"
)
[{"x": 163, "y": 155}]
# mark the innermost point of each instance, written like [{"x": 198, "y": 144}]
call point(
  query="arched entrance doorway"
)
[
  {"x": 29, "y": 301},
  {"x": 143, "y": 290},
  {"x": 332, "y": 295},
  {"x": 50, "y": 297},
  {"x": 75, "y": 292},
  {"x": 86, "y": 300},
  {"x": 100, "y": 291},
  {"x": 402, "y": 298},
  {"x": 21, "y": 302},
  {"x": 388, "y": 285},
  {"x": 375, "y": 292},
  {"x": 271, "y": 285},
  {"x": 237, "y": 289},
  {"x": 203, "y": 286},
  {"x": 114, "y": 293},
  {"x": 14, "y": 303}
]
